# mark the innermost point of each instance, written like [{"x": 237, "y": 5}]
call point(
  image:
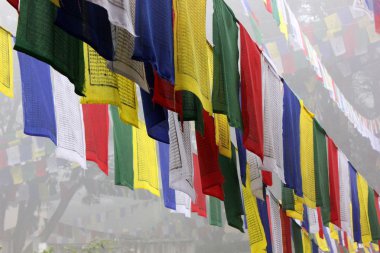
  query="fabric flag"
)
[
  {"x": 286, "y": 232},
  {"x": 123, "y": 151},
  {"x": 263, "y": 211},
  {"x": 122, "y": 62},
  {"x": 165, "y": 96},
  {"x": 181, "y": 164},
  {"x": 169, "y": 193},
  {"x": 363, "y": 205},
  {"x": 297, "y": 237},
  {"x": 305, "y": 220},
  {"x": 292, "y": 203},
  {"x": 145, "y": 170},
  {"x": 37, "y": 98},
  {"x": 154, "y": 41},
  {"x": 183, "y": 203},
  {"x": 199, "y": 205},
  {"x": 273, "y": 109},
  {"x": 156, "y": 117},
  {"x": 251, "y": 94},
  {"x": 120, "y": 13},
  {"x": 312, "y": 217},
  {"x": 215, "y": 212},
  {"x": 376, "y": 11},
  {"x": 37, "y": 36},
  {"x": 242, "y": 155},
  {"x": 321, "y": 172},
  {"x": 211, "y": 175},
  {"x": 253, "y": 165},
  {"x": 256, "y": 233},
  {"x": 334, "y": 183},
  {"x": 14, "y": 3},
  {"x": 291, "y": 140},
  {"x": 372, "y": 214},
  {"x": 222, "y": 135},
  {"x": 307, "y": 156},
  {"x": 190, "y": 45},
  {"x": 71, "y": 144},
  {"x": 276, "y": 226},
  {"x": 105, "y": 87},
  {"x": 209, "y": 19},
  {"x": 306, "y": 242},
  {"x": 6, "y": 57},
  {"x": 225, "y": 95},
  {"x": 295, "y": 30},
  {"x": 355, "y": 205},
  {"x": 96, "y": 124},
  {"x": 344, "y": 192},
  {"x": 87, "y": 22},
  {"x": 232, "y": 195}
]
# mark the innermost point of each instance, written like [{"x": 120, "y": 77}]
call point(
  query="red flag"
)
[
  {"x": 96, "y": 125},
  {"x": 286, "y": 232},
  {"x": 376, "y": 12},
  {"x": 199, "y": 206},
  {"x": 165, "y": 95},
  {"x": 211, "y": 175},
  {"x": 251, "y": 94},
  {"x": 334, "y": 183}
]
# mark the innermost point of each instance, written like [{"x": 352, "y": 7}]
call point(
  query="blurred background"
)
[{"x": 47, "y": 203}]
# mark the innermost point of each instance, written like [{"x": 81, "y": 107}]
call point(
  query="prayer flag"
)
[
  {"x": 169, "y": 193},
  {"x": 6, "y": 58}
]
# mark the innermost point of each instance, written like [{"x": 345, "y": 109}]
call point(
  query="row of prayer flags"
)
[{"x": 277, "y": 141}]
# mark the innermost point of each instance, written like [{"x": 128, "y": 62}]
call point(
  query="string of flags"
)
[
  {"x": 219, "y": 123},
  {"x": 291, "y": 29}
]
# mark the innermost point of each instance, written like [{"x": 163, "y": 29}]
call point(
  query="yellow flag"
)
[
  {"x": 297, "y": 213},
  {"x": 56, "y": 3},
  {"x": 256, "y": 234},
  {"x": 191, "y": 51},
  {"x": 6, "y": 58},
  {"x": 102, "y": 86},
  {"x": 333, "y": 233},
  {"x": 306, "y": 243},
  {"x": 363, "y": 203},
  {"x": 322, "y": 243},
  {"x": 307, "y": 156},
  {"x": 222, "y": 132},
  {"x": 16, "y": 175},
  {"x": 145, "y": 166}
]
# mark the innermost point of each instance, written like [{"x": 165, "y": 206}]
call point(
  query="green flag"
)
[
  {"x": 215, "y": 212},
  {"x": 225, "y": 94},
  {"x": 123, "y": 150},
  {"x": 373, "y": 219},
  {"x": 37, "y": 36},
  {"x": 232, "y": 195},
  {"x": 321, "y": 172}
]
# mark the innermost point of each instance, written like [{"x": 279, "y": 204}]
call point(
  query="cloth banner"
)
[
  {"x": 222, "y": 135},
  {"x": 355, "y": 205},
  {"x": 120, "y": 13},
  {"x": 6, "y": 57},
  {"x": 253, "y": 165},
  {"x": 181, "y": 176},
  {"x": 321, "y": 172},
  {"x": 71, "y": 144},
  {"x": 105, "y": 87},
  {"x": 123, "y": 151},
  {"x": 344, "y": 193},
  {"x": 291, "y": 140},
  {"x": 145, "y": 170},
  {"x": 307, "y": 157},
  {"x": 154, "y": 41},
  {"x": 334, "y": 183},
  {"x": 156, "y": 117},
  {"x": 273, "y": 110},
  {"x": 169, "y": 193},
  {"x": 215, "y": 212},
  {"x": 89, "y": 23},
  {"x": 37, "y": 98},
  {"x": 122, "y": 62},
  {"x": 96, "y": 124},
  {"x": 251, "y": 94},
  {"x": 363, "y": 205},
  {"x": 38, "y": 37},
  {"x": 225, "y": 94},
  {"x": 232, "y": 195},
  {"x": 211, "y": 175},
  {"x": 199, "y": 205},
  {"x": 276, "y": 226},
  {"x": 191, "y": 46}
]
